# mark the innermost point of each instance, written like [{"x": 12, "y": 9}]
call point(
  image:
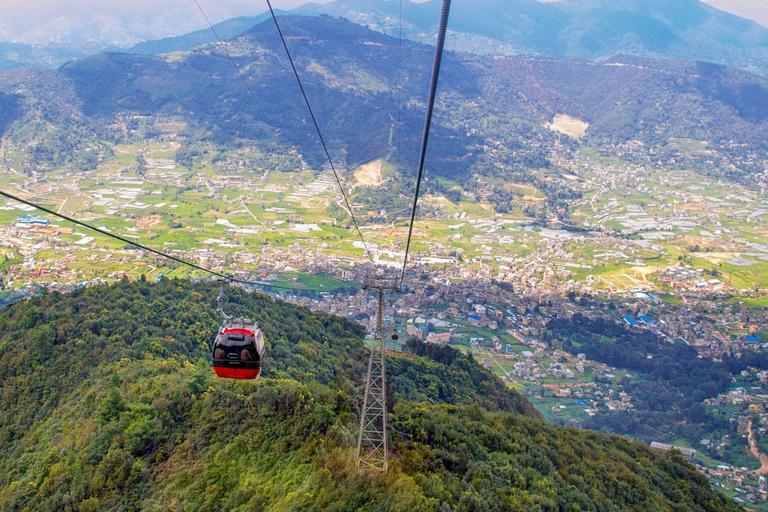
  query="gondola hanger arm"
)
[{"x": 220, "y": 300}]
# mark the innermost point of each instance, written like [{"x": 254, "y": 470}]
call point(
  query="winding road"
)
[{"x": 754, "y": 450}]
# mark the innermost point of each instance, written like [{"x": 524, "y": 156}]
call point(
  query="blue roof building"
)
[{"x": 630, "y": 320}]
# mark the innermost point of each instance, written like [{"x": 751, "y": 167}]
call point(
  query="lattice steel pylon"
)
[{"x": 372, "y": 447}]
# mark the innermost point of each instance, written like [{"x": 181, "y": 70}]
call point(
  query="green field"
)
[{"x": 229, "y": 189}]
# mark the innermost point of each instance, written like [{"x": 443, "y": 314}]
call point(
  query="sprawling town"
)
[{"x": 667, "y": 253}]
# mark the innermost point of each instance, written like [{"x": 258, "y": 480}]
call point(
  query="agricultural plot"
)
[{"x": 642, "y": 220}]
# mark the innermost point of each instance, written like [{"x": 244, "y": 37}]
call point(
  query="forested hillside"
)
[{"x": 108, "y": 402}]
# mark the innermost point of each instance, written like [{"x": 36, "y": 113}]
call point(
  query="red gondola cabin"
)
[{"x": 238, "y": 350}]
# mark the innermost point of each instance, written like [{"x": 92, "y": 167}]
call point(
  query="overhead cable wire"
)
[
  {"x": 400, "y": 88},
  {"x": 319, "y": 134},
  {"x": 140, "y": 246},
  {"x": 427, "y": 123},
  {"x": 234, "y": 64}
]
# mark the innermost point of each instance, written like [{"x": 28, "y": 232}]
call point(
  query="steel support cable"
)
[
  {"x": 319, "y": 134},
  {"x": 400, "y": 88},
  {"x": 427, "y": 123},
  {"x": 140, "y": 246},
  {"x": 250, "y": 93},
  {"x": 234, "y": 64}
]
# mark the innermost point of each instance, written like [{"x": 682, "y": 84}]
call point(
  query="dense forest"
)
[{"x": 108, "y": 402}]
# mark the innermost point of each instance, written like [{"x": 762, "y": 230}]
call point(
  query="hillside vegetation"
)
[{"x": 108, "y": 402}]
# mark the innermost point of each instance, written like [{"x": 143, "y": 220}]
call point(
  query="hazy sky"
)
[
  {"x": 753, "y": 9},
  {"x": 174, "y": 16},
  {"x": 25, "y": 10},
  {"x": 24, "y": 14}
]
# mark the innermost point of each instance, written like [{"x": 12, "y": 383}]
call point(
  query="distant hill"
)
[
  {"x": 225, "y": 30},
  {"x": 351, "y": 75},
  {"x": 569, "y": 29},
  {"x": 63, "y": 31},
  {"x": 108, "y": 402},
  {"x": 18, "y": 55},
  {"x": 574, "y": 29}
]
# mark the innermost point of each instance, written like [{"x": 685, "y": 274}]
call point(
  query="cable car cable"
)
[
  {"x": 143, "y": 247},
  {"x": 319, "y": 134},
  {"x": 250, "y": 93},
  {"x": 220, "y": 302},
  {"x": 306, "y": 100},
  {"x": 427, "y": 123},
  {"x": 400, "y": 87}
]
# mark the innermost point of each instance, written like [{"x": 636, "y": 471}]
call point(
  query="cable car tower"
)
[
  {"x": 372, "y": 449},
  {"x": 372, "y": 446}
]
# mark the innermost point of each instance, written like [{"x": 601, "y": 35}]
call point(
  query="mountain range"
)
[
  {"x": 575, "y": 29},
  {"x": 569, "y": 29},
  {"x": 491, "y": 115}
]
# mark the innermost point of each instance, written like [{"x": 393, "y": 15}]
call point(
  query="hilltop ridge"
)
[{"x": 569, "y": 29}]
